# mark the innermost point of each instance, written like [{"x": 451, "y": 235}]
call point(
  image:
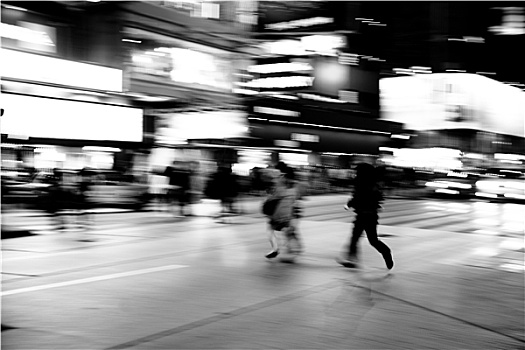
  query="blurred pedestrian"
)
[
  {"x": 158, "y": 189},
  {"x": 257, "y": 181},
  {"x": 284, "y": 214},
  {"x": 57, "y": 198},
  {"x": 366, "y": 202},
  {"x": 84, "y": 206},
  {"x": 224, "y": 186},
  {"x": 179, "y": 180}
]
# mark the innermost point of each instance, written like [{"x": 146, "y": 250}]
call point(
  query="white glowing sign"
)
[
  {"x": 305, "y": 22},
  {"x": 513, "y": 22},
  {"x": 180, "y": 127},
  {"x": 182, "y": 65},
  {"x": 25, "y": 34},
  {"x": 276, "y": 111},
  {"x": 320, "y": 44},
  {"x": 305, "y": 137},
  {"x": 280, "y": 82},
  {"x": 280, "y": 67},
  {"x": 453, "y": 101},
  {"x": 31, "y": 67},
  {"x": 63, "y": 119}
]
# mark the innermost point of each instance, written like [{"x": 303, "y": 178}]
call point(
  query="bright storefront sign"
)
[
  {"x": 178, "y": 128},
  {"x": 32, "y": 36},
  {"x": 38, "y": 68},
  {"x": 28, "y": 116},
  {"x": 294, "y": 159}
]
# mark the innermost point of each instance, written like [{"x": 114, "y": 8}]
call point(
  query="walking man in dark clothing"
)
[
  {"x": 179, "y": 179},
  {"x": 366, "y": 201}
]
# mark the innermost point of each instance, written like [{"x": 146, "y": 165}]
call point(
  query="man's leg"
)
[
  {"x": 357, "y": 231},
  {"x": 371, "y": 233}
]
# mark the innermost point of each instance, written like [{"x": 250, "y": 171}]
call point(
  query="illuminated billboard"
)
[
  {"x": 37, "y": 68},
  {"x": 332, "y": 75},
  {"x": 38, "y": 117},
  {"x": 165, "y": 60},
  {"x": 453, "y": 101},
  {"x": 178, "y": 128},
  {"x": 299, "y": 16}
]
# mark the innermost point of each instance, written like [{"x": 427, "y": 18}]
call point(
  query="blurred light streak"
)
[
  {"x": 245, "y": 91},
  {"x": 514, "y": 227},
  {"x": 447, "y": 191},
  {"x": 101, "y": 149},
  {"x": 513, "y": 267},
  {"x": 437, "y": 184},
  {"x": 323, "y": 43},
  {"x": 486, "y": 251},
  {"x": 514, "y": 196},
  {"x": 486, "y": 222},
  {"x": 155, "y": 53},
  {"x": 286, "y": 97},
  {"x": 25, "y": 34},
  {"x": 486, "y": 195},
  {"x": 421, "y": 68},
  {"x": 294, "y": 159},
  {"x": 279, "y": 82},
  {"x": 280, "y": 67},
  {"x": 403, "y": 137},
  {"x": 473, "y": 156},
  {"x": 276, "y": 111},
  {"x": 16, "y": 8},
  {"x": 455, "y": 174},
  {"x": 304, "y": 22},
  {"x": 508, "y": 156},
  {"x": 487, "y": 232},
  {"x": 320, "y": 98},
  {"x": 512, "y": 244}
]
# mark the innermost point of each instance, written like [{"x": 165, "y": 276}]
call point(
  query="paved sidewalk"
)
[{"x": 447, "y": 291}]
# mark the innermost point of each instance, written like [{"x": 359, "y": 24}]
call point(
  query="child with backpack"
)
[{"x": 281, "y": 208}]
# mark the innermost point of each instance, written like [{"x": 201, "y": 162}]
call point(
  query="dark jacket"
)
[
  {"x": 222, "y": 185},
  {"x": 178, "y": 177},
  {"x": 367, "y": 195}
]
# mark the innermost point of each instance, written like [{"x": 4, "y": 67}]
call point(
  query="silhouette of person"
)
[{"x": 366, "y": 202}]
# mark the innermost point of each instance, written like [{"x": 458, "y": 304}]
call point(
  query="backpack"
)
[{"x": 269, "y": 206}]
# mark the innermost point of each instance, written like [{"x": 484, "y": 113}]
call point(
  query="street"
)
[{"x": 149, "y": 280}]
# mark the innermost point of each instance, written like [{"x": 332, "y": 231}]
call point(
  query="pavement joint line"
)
[
  {"x": 91, "y": 279},
  {"x": 410, "y": 221},
  {"x": 422, "y": 307},
  {"x": 228, "y": 314},
  {"x": 129, "y": 261},
  {"x": 19, "y": 274},
  {"x": 282, "y": 299}
]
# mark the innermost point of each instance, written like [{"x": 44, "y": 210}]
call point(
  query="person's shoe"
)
[
  {"x": 347, "y": 261},
  {"x": 388, "y": 260},
  {"x": 272, "y": 254}
]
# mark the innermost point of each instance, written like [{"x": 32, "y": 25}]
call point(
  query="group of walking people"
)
[{"x": 283, "y": 209}]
